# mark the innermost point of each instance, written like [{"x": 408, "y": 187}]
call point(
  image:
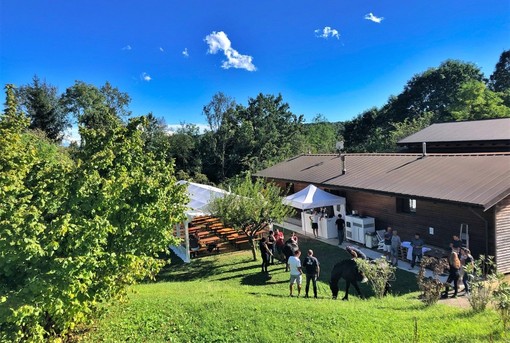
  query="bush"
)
[
  {"x": 74, "y": 234},
  {"x": 502, "y": 303},
  {"x": 378, "y": 272},
  {"x": 485, "y": 280},
  {"x": 431, "y": 287}
]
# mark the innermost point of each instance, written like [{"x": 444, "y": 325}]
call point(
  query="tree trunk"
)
[{"x": 252, "y": 245}]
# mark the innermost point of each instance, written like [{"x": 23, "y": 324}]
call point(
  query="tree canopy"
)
[{"x": 250, "y": 207}]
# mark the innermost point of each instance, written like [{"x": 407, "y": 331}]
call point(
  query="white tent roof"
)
[
  {"x": 200, "y": 196},
  {"x": 313, "y": 197}
]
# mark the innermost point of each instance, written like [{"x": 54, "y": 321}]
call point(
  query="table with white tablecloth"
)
[{"x": 409, "y": 248}]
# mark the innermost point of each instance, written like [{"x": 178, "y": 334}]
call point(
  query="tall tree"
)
[
  {"x": 40, "y": 101},
  {"x": 321, "y": 135},
  {"x": 221, "y": 115},
  {"x": 96, "y": 108},
  {"x": 276, "y": 131},
  {"x": 474, "y": 101},
  {"x": 500, "y": 78},
  {"x": 251, "y": 207}
]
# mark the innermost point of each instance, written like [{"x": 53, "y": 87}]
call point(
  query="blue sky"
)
[{"x": 334, "y": 57}]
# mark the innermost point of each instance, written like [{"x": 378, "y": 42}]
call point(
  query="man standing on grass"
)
[
  {"x": 295, "y": 272},
  {"x": 312, "y": 272},
  {"x": 340, "y": 226}
]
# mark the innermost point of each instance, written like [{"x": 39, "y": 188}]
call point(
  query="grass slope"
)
[{"x": 225, "y": 298}]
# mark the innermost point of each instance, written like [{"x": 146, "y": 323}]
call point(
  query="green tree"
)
[
  {"x": 474, "y": 101},
  {"x": 250, "y": 207},
  {"x": 320, "y": 135},
  {"x": 500, "y": 79},
  {"x": 273, "y": 132},
  {"x": 221, "y": 116},
  {"x": 40, "y": 101},
  {"x": 184, "y": 150},
  {"x": 75, "y": 233},
  {"x": 95, "y": 108}
]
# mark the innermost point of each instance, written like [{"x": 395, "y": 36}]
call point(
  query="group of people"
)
[
  {"x": 311, "y": 268},
  {"x": 461, "y": 265},
  {"x": 273, "y": 245},
  {"x": 459, "y": 259},
  {"x": 393, "y": 246}
]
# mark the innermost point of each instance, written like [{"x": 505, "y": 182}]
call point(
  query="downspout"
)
[{"x": 486, "y": 231}]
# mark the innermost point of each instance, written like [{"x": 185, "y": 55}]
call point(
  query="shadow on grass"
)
[{"x": 257, "y": 279}]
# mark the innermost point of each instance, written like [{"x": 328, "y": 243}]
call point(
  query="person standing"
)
[
  {"x": 453, "y": 276},
  {"x": 417, "y": 245},
  {"x": 265, "y": 253},
  {"x": 456, "y": 244},
  {"x": 271, "y": 244},
  {"x": 312, "y": 269},
  {"x": 280, "y": 243},
  {"x": 340, "y": 226},
  {"x": 468, "y": 265},
  {"x": 396, "y": 243},
  {"x": 295, "y": 272},
  {"x": 315, "y": 223},
  {"x": 387, "y": 243}
]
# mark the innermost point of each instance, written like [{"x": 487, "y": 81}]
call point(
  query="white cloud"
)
[
  {"x": 145, "y": 77},
  {"x": 327, "y": 32},
  {"x": 127, "y": 47},
  {"x": 373, "y": 18},
  {"x": 218, "y": 41},
  {"x": 185, "y": 52},
  {"x": 161, "y": 49}
]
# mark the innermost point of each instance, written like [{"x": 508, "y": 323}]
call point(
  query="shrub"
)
[
  {"x": 378, "y": 272},
  {"x": 502, "y": 303},
  {"x": 74, "y": 234},
  {"x": 484, "y": 282},
  {"x": 431, "y": 287}
]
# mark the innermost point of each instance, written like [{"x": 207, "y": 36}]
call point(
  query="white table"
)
[{"x": 407, "y": 245}]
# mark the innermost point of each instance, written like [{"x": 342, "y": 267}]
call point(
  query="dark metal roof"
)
[
  {"x": 474, "y": 179},
  {"x": 477, "y": 130}
]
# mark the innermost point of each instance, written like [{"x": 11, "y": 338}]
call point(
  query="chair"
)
[{"x": 380, "y": 238}]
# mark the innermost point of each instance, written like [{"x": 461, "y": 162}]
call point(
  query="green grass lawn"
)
[{"x": 225, "y": 298}]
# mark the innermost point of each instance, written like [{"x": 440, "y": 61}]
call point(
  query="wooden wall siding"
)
[
  {"x": 502, "y": 214},
  {"x": 444, "y": 218}
]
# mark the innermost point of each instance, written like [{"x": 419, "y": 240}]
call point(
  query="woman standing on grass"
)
[{"x": 454, "y": 262}]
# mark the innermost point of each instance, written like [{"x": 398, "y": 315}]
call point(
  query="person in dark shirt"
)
[
  {"x": 456, "y": 244},
  {"x": 417, "y": 254},
  {"x": 340, "y": 226},
  {"x": 312, "y": 270},
  {"x": 265, "y": 253},
  {"x": 387, "y": 243}
]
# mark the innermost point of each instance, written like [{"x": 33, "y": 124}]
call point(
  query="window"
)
[{"x": 406, "y": 205}]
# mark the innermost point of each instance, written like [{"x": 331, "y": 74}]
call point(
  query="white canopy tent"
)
[
  {"x": 200, "y": 196},
  {"x": 313, "y": 197}
]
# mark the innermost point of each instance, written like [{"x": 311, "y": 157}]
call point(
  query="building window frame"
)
[{"x": 406, "y": 205}]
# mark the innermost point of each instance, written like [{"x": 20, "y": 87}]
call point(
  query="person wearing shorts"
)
[
  {"x": 295, "y": 272},
  {"x": 387, "y": 243}
]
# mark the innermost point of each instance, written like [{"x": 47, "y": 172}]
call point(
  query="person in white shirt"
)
[{"x": 295, "y": 272}]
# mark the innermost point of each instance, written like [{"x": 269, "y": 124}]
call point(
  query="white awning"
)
[{"x": 313, "y": 197}]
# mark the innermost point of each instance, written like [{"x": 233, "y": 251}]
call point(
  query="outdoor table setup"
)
[{"x": 409, "y": 248}]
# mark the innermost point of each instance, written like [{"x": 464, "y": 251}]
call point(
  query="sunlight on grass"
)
[{"x": 225, "y": 298}]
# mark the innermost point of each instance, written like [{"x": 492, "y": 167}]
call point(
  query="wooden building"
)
[{"x": 430, "y": 194}]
